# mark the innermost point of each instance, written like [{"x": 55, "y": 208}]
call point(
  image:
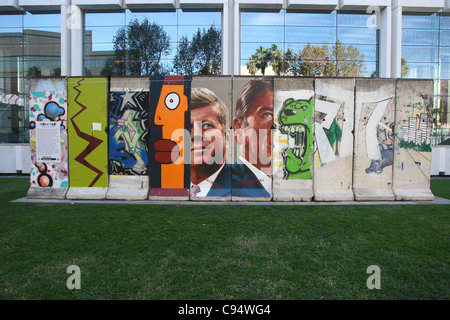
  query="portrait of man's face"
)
[
  {"x": 253, "y": 127},
  {"x": 260, "y": 119},
  {"x": 208, "y": 137}
]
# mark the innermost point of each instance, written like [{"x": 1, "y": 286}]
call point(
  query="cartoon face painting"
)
[
  {"x": 294, "y": 122},
  {"x": 169, "y": 149}
]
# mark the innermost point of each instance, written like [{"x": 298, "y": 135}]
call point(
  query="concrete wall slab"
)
[
  {"x": 333, "y": 165},
  {"x": 412, "y": 148},
  {"x": 293, "y": 139},
  {"x": 373, "y": 146},
  {"x": 48, "y": 108}
]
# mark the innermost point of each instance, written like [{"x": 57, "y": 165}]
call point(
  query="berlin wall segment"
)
[{"x": 230, "y": 138}]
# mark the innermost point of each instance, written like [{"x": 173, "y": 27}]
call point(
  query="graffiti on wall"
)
[
  {"x": 416, "y": 133},
  {"x": 169, "y": 136},
  {"x": 181, "y": 138},
  {"x": 88, "y": 157},
  {"x": 128, "y": 138},
  {"x": 48, "y": 107},
  {"x": 295, "y": 121},
  {"x": 328, "y": 125},
  {"x": 379, "y": 122},
  {"x": 252, "y": 124}
]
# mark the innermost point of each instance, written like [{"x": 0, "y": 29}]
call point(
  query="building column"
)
[
  {"x": 65, "y": 38},
  {"x": 236, "y": 49},
  {"x": 396, "y": 41},
  {"x": 76, "y": 31},
  {"x": 226, "y": 37},
  {"x": 385, "y": 44}
]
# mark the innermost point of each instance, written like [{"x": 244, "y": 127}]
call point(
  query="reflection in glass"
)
[
  {"x": 30, "y": 45},
  {"x": 102, "y": 29},
  {"x": 294, "y": 31}
]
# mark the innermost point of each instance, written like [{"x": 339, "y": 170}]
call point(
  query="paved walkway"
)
[{"x": 437, "y": 200}]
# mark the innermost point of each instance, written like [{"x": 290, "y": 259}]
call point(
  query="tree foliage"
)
[
  {"x": 348, "y": 61},
  {"x": 138, "y": 49},
  {"x": 312, "y": 60},
  {"x": 405, "y": 68},
  {"x": 264, "y": 57},
  {"x": 200, "y": 55}
]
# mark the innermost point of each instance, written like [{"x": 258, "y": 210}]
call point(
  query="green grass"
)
[{"x": 222, "y": 252}]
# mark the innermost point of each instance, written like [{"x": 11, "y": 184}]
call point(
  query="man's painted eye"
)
[
  {"x": 207, "y": 126},
  {"x": 172, "y": 101},
  {"x": 267, "y": 115}
]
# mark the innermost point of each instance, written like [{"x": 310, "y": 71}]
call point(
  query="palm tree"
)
[{"x": 259, "y": 60}]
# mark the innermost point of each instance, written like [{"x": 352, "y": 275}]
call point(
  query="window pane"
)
[
  {"x": 422, "y": 70},
  {"x": 11, "y": 20},
  {"x": 357, "y": 35},
  {"x": 160, "y": 18},
  {"x": 444, "y": 22},
  {"x": 311, "y": 34},
  {"x": 444, "y": 54},
  {"x": 9, "y": 67},
  {"x": 44, "y": 66},
  {"x": 102, "y": 36},
  {"x": 248, "y": 49},
  {"x": 444, "y": 38},
  {"x": 104, "y": 19},
  {"x": 420, "y": 37},
  {"x": 262, "y": 18},
  {"x": 99, "y": 36},
  {"x": 10, "y": 37},
  {"x": 420, "y": 22},
  {"x": 371, "y": 68},
  {"x": 262, "y": 34},
  {"x": 445, "y": 71},
  {"x": 41, "y": 20},
  {"x": 420, "y": 54},
  {"x": 353, "y": 20},
  {"x": 295, "y": 47},
  {"x": 311, "y": 19},
  {"x": 199, "y": 18},
  {"x": 189, "y": 31}
]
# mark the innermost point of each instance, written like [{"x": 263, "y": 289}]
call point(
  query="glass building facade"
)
[
  {"x": 426, "y": 54},
  {"x": 101, "y": 29},
  {"x": 294, "y": 30},
  {"x": 30, "y": 46}
]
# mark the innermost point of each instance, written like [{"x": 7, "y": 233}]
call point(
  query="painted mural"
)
[
  {"x": 210, "y": 142},
  {"x": 234, "y": 138},
  {"x": 48, "y": 108},
  {"x": 88, "y": 141},
  {"x": 333, "y": 124},
  {"x": 128, "y": 133},
  {"x": 374, "y": 138},
  {"x": 293, "y": 139},
  {"x": 412, "y": 148},
  {"x": 252, "y": 124},
  {"x": 169, "y": 136},
  {"x": 295, "y": 121}
]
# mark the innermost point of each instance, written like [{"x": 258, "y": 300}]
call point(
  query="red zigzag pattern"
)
[{"x": 93, "y": 142}]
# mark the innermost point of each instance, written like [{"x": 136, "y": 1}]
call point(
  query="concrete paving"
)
[{"x": 437, "y": 200}]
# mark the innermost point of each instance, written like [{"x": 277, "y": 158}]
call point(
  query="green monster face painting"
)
[{"x": 296, "y": 121}]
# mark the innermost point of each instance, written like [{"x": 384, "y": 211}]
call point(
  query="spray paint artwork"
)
[
  {"x": 169, "y": 136},
  {"x": 48, "y": 108},
  {"x": 295, "y": 121},
  {"x": 379, "y": 135},
  {"x": 128, "y": 125},
  {"x": 416, "y": 133}
]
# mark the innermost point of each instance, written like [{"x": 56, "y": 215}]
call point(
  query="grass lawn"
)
[{"x": 222, "y": 252}]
